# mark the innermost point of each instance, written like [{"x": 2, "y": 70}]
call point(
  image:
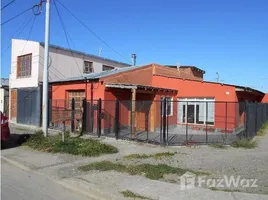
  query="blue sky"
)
[{"x": 225, "y": 36}]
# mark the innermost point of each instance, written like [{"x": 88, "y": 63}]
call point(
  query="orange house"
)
[{"x": 190, "y": 99}]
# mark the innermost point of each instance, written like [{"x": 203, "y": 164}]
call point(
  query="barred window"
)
[{"x": 24, "y": 66}]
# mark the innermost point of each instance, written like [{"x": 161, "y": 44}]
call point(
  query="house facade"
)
[
  {"x": 26, "y": 75},
  {"x": 190, "y": 99},
  {"x": 4, "y": 96}
]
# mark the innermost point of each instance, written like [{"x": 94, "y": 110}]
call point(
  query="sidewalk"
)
[{"x": 108, "y": 185}]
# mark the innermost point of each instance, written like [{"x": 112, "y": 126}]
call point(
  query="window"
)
[
  {"x": 106, "y": 68},
  {"x": 196, "y": 110},
  {"x": 78, "y": 96},
  {"x": 88, "y": 67},
  {"x": 24, "y": 66},
  {"x": 169, "y": 105}
]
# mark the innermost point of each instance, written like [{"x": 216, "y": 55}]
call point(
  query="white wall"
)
[
  {"x": 22, "y": 47},
  {"x": 2, "y": 91},
  {"x": 64, "y": 64}
]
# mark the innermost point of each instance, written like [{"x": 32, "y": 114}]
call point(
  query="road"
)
[{"x": 19, "y": 184}]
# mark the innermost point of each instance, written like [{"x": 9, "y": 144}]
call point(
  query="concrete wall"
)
[
  {"x": 63, "y": 64},
  {"x": 22, "y": 47}
]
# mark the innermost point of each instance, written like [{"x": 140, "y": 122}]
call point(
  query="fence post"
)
[
  {"x": 206, "y": 122},
  {"x": 84, "y": 117},
  {"x": 99, "y": 117},
  {"x": 226, "y": 120},
  {"x": 256, "y": 119},
  {"x": 72, "y": 118},
  {"x": 164, "y": 119},
  {"x": 116, "y": 119},
  {"x": 186, "y": 116},
  {"x": 246, "y": 119},
  {"x": 161, "y": 120},
  {"x": 63, "y": 133}
]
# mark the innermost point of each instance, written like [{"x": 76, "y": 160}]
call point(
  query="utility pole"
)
[{"x": 45, "y": 73}]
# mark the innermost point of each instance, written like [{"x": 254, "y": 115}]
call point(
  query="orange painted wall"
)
[
  {"x": 188, "y": 89},
  {"x": 59, "y": 91}
]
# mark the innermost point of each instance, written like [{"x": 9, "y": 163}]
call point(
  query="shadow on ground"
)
[{"x": 15, "y": 140}]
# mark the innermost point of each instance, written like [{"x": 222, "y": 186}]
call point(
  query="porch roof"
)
[{"x": 134, "y": 86}]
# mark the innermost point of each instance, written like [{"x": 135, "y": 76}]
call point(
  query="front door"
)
[
  {"x": 13, "y": 105},
  {"x": 143, "y": 111}
]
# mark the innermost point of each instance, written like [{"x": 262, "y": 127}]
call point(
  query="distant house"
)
[
  {"x": 4, "y": 96},
  {"x": 27, "y": 75},
  {"x": 191, "y": 100}
]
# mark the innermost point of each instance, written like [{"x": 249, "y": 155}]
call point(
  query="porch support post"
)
[{"x": 133, "y": 111}]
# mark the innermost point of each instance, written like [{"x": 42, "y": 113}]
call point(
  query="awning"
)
[{"x": 134, "y": 86}]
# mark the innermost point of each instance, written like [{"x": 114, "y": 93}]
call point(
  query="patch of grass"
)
[
  {"x": 224, "y": 189},
  {"x": 75, "y": 146},
  {"x": 157, "y": 156},
  {"x": 244, "y": 143},
  {"x": 154, "y": 172},
  {"x": 218, "y": 146},
  {"x": 130, "y": 194},
  {"x": 263, "y": 129}
]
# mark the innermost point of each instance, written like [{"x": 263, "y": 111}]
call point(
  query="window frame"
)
[
  {"x": 195, "y": 101},
  {"x": 19, "y": 67},
  {"x": 92, "y": 68},
  {"x": 171, "y": 105},
  {"x": 69, "y": 98},
  {"x": 111, "y": 68}
]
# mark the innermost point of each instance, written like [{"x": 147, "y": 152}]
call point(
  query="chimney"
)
[
  {"x": 178, "y": 66},
  {"x": 134, "y": 59}
]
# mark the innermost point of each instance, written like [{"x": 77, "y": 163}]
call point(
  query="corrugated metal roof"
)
[
  {"x": 129, "y": 86},
  {"x": 4, "y": 82},
  {"x": 98, "y": 75},
  {"x": 85, "y": 54}
]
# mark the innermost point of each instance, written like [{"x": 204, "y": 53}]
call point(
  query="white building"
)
[
  {"x": 4, "y": 100},
  {"x": 26, "y": 77}
]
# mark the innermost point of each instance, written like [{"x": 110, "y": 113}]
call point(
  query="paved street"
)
[{"x": 18, "y": 184}]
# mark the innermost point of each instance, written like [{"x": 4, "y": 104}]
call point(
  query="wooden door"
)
[
  {"x": 13, "y": 105},
  {"x": 143, "y": 111}
]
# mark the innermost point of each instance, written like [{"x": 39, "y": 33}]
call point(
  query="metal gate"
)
[{"x": 29, "y": 106}]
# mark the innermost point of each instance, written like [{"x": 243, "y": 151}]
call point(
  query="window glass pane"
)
[
  {"x": 200, "y": 112},
  {"x": 211, "y": 112},
  {"x": 190, "y": 113}
]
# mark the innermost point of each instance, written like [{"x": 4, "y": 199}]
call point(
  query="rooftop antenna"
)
[
  {"x": 100, "y": 51},
  {"x": 218, "y": 77}
]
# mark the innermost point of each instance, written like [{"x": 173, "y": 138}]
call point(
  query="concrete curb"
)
[
  {"x": 87, "y": 191},
  {"x": 77, "y": 188},
  {"x": 16, "y": 163}
]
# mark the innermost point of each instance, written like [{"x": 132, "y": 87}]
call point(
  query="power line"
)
[
  {"x": 7, "y": 4},
  {"x": 29, "y": 35},
  {"x": 19, "y": 31},
  {"x": 16, "y": 16},
  {"x": 92, "y": 32},
  {"x": 66, "y": 35},
  {"x": 37, "y": 9}
]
